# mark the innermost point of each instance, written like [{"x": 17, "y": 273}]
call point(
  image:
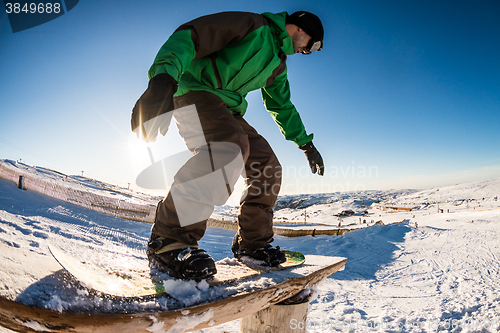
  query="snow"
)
[
  {"x": 188, "y": 322},
  {"x": 34, "y": 325},
  {"x": 422, "y": 271}
]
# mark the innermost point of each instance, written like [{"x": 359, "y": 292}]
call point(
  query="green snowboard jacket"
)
[{"x": 230, "y": 54}]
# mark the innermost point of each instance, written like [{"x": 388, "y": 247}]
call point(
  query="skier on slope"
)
[{"x": 213, "y": 62}]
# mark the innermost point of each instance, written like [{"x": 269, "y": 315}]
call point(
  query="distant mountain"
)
[{"x": 362, "y": 198}]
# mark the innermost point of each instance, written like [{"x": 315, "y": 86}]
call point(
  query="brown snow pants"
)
[{"x": 237, "y": 140}]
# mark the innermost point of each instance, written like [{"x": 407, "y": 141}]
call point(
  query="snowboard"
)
[{"x": 143, "y": 283}]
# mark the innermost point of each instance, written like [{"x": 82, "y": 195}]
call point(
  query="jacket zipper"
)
[{"x": 213, "y": 57}]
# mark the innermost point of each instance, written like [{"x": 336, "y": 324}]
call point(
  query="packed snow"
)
[{"x": 434, "y": 268}]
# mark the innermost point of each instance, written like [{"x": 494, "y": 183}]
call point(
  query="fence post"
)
[
  {"x": 288, "y": 316},
  {"x": 20, "y": 184}
]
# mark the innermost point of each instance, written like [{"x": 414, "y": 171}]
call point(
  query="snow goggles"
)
[{"x": 313, "y": 46}]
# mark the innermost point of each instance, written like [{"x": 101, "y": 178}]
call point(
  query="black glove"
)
[
  {"x": 314, "y": 158},
  {"x": 157, "y": 100}
]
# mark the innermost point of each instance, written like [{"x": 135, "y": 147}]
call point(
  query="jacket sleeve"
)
[
  {"x": 202, "y": 37},
  {"x": 277, "y": 101}
]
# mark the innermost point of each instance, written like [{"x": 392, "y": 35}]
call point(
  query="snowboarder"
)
[{"x": 213, "y": 62}]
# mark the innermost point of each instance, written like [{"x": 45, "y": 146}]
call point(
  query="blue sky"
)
[{"x": 405, "y": 94}]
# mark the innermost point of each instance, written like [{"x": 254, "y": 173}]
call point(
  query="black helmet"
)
[{"x": 311, "y": 24}]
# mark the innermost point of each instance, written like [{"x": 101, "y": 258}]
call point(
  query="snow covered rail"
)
[
  {"x": 290, "y": 232},
  {"x": 214, "y": 223},
  {"x": 293, "y": 232}
]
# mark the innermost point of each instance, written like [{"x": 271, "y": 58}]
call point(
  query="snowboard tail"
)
[{"x": 141, "y": 283}]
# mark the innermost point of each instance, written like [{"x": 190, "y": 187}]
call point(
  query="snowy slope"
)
[
  {"x": 486, "y": 192},
  {"x": 434, "y": 272}
]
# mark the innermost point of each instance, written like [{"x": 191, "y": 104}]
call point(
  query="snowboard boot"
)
[
  {"x": 188, "y": 263},
  {"x": 268, "y": 255}
]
